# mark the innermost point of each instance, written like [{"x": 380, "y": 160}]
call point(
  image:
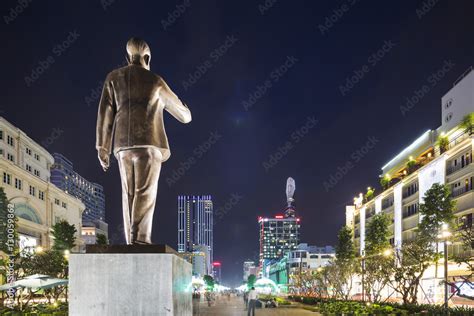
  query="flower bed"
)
[{"x": 336, "y": 307}]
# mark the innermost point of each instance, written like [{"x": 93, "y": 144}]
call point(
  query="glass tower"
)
[{"x": 195, "y": 223}]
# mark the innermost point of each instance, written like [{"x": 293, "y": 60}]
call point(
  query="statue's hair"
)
[{"x": 137, "y": 47}]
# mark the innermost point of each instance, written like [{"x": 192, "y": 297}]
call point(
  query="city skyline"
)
[{"x": 329, "y": 100}]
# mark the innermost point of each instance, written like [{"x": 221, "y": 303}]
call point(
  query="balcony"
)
[
  {"x": 460, "y": 191},
  {"x": 452, "y": 169}
]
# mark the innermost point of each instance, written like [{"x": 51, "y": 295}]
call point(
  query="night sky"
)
[{"x": 315, "y": 90}]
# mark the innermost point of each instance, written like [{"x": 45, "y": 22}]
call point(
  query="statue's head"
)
[{"x": 138, "y": 52}]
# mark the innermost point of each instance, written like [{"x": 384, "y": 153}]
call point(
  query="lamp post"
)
[{"x": 444, "y": 236}]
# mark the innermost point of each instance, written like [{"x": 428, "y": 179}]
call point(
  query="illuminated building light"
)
[
  {"x": 412, "y": 146},
  {"x": 278, "y": 216}
]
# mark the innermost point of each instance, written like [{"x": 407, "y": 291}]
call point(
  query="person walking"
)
[
  {"x": 252, "y": 296},
  {"x": 246, "y": 299}
]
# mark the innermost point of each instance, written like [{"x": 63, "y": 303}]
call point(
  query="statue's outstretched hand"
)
[{"x": 104, "y": 158}]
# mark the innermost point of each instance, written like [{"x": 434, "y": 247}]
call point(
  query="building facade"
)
[
  {"x": 39, "y": 204},
  {"x": 195, "y": 224},
  {"x": 278, "y": 236},
  {"x": 413, "y": 171},
  {"x": 91, "y": 194}
]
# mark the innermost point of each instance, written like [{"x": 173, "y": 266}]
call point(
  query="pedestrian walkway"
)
[{"x": 235, "y": 307}]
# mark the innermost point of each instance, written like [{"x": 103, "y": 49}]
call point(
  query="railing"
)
[
  {"x": 386, "y": 203},
  {"x": 461, "y": 191},
  {"x": 453, "y": 169},
  {"x": 454, "y": 142}
]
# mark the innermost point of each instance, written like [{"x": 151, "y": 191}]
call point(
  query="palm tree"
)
[{"x": 467, "y": 123}]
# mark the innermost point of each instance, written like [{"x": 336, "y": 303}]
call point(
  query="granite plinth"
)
[{"x": 119, "y": 280}]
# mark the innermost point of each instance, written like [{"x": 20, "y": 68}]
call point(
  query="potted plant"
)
[
  {"x": 467, "y": 123},
  {"x": 442, "y": 143}
]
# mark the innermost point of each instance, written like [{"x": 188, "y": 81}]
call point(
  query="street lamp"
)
[{"x": 444, "y": 236}]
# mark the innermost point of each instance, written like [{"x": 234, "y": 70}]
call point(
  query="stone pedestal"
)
[{"x": 129, "y": 280}]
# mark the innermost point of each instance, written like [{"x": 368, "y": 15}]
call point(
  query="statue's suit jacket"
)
[{"x": 131, "y": 111}]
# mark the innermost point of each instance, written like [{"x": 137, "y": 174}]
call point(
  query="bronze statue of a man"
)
[{"x": 131, "y": 114}]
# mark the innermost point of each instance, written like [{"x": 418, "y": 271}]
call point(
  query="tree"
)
[
  {"x": 101, "y": 239},
  {"x": 64, "y": 235},
  {"x": 343, "y": 269},
  {"x": 415, "y": 256},
  {"x": 436, "y": 210},
  {"x": 378, "y": 259},
  {"x": 412, "y": 260},
  {"x": 209, "y": 281},
  {"x": 251, "y": 281},
  {"x": 50, "y": 262},
  {"x": 465, "y": 237}
]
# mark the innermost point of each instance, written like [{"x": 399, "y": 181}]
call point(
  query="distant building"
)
[
  {"x": 90, "y": 193},
  {"x": 249, "y": 269},
  {"x": 195, "y": 224},
  {"x": 279, "y": 234},
  {"x": 309, "y": 257},
  {"x": 90, "y": 230},
  {"x": 39, "y": 204},
  {"x": 304, "y": 258},
  {"x": 217, "y": 271},
  {"x": 199, "y": 258}
]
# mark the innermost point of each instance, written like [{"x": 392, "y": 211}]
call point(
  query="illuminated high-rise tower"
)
[{"x": 195, "y": 223}]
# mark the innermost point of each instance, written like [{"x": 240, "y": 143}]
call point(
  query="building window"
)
[
  {"x": 28, "y": 168},
  {"x": 28, "y": 151},
  {"x": 410, "y": 189},
  {"x": 41, "y": 195},
  {"x": 410, "y": 210},
  {"x": 7, "y": 178},
  {"x": 56, "y": 201},
  {"x": 37, "y": 173},
  {"x": 63, "y": 204},
  {"x": 37, "y": 157},
  {"x": 10, "y": 141},
  {"x": 1, "y": 135},
  {"x": 32, "y": 190},
  {"x": 10, "y": 157},
  {"x": 18, "y": 184}
]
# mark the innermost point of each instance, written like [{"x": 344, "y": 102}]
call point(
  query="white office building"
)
[
  {"x": 39, "y": 204},
  {"x": 415, "y": 169}
]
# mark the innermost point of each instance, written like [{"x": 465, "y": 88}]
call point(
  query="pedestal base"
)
[{"x": 105, "y": 283}]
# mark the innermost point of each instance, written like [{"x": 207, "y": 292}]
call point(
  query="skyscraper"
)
[
  {"x": 195, "y": 223},
  {"x": 281, "y": 233},
  {"x": 91, "y": 194}
]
